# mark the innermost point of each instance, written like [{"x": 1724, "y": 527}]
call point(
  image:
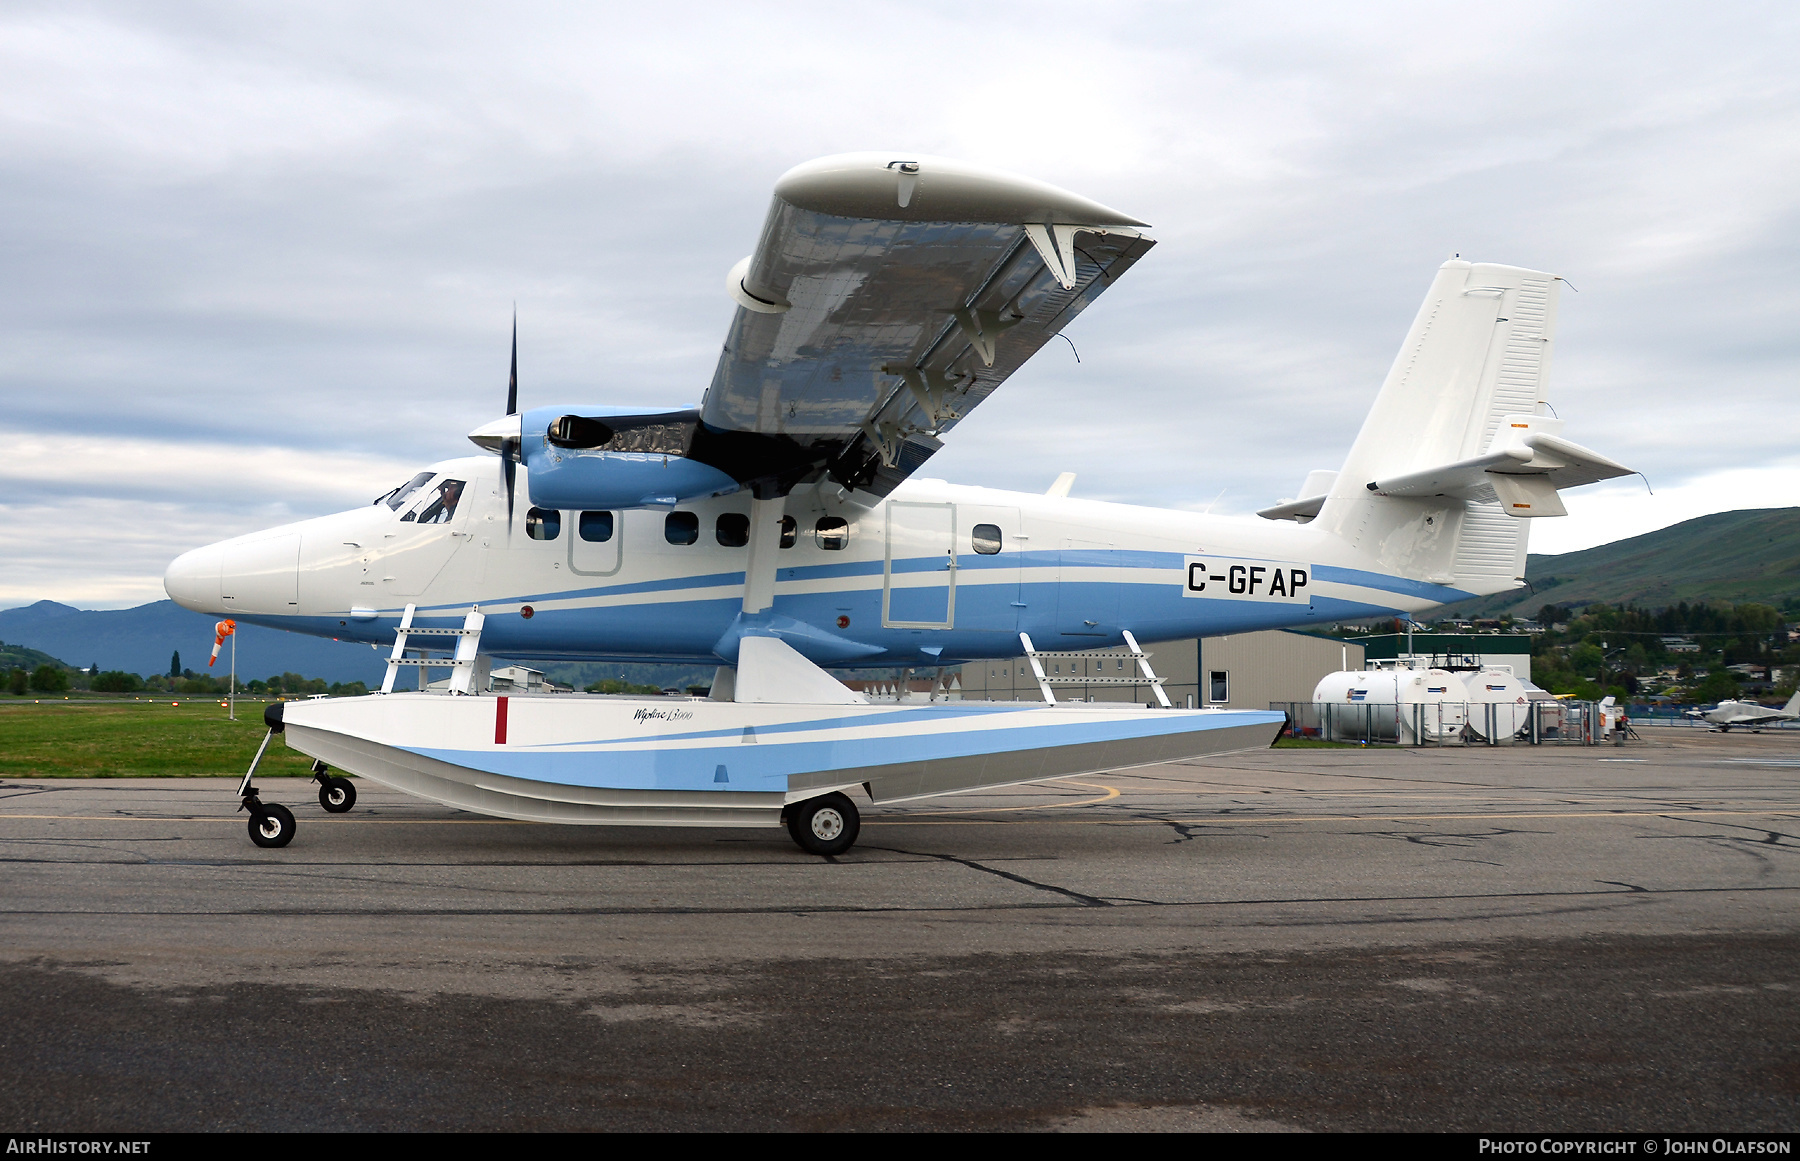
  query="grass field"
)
[
  {"x": 94, "y": 738},
  {"x": 83, "y": 738}
]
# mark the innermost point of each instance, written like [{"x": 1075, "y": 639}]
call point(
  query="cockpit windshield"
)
[
  {"x": 441, "y": 506},
  {"x": 398, "y": 496}
]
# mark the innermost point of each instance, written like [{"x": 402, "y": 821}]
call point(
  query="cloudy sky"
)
[{"x": 260, "y": 259}]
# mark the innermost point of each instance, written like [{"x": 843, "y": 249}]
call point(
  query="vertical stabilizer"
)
[{"x": 1479, "y": 350}]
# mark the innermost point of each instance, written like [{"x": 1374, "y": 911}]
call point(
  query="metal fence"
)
[
  {"x": 1538, "y": 723},
  {"x": 1677, "y": 715}
]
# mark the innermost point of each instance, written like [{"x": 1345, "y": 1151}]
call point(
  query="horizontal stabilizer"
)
[
  {"x": 1569, "y": 465},
  {"x": 1528, "y": 465},
  {"x": 1313, "y": 491},
  {"x": 1303, "y": 509},
  {"x": 1450, "y": 479}
]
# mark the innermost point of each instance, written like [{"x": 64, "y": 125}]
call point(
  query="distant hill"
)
[
  {"x": 18, "y": 657},
  {"x": 1752, "y": 555},
  {"x": 140, "y": 640}
]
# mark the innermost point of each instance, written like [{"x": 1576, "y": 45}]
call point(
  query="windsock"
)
[{"x": 224, "y": 629}]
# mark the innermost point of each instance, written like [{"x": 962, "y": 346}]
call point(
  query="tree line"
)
[{"x": 51, "y": 679}]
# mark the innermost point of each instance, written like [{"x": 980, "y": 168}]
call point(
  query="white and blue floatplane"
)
[{"x": 780, "y": 529}]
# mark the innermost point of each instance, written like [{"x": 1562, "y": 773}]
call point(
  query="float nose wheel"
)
[
  {"x": 271, "y": 824},
  {"x": 824, "y": 826}
]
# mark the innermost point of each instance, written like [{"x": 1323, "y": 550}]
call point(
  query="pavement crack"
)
[
  {"x": 1087, "y": 900},
  {"x": 1632, "y": 887}
]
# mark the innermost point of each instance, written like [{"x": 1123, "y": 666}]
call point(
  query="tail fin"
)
[{"x": 1478, "y": 352}]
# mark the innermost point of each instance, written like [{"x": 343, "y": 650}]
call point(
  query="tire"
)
[
  {"x": 824, "y": 826},
  {"x": 337, "y": 794},
  {"x": 272, "y": 826}
]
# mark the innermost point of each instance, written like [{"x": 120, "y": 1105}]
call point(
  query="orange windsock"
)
[{"x": 224, "y": 629}]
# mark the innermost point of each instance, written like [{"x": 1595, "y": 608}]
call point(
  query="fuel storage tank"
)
[
  {"x": 1499, "y": 703},
  {"x": 1408, "y": 706}
]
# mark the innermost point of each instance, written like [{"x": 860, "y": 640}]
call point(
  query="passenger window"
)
[
  {"x": 543, "y": 523},
  {"x": 732, "y": 529},
  {"x": 681, "y": 528},
  {"x": 790, "y": 532},
  {"x": 596, "y": 526},
  {"x": 831, "y": 533},
  {"x": 985, "y": 539}
]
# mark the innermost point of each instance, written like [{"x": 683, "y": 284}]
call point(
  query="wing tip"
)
[{"x": 904, "y": 186}]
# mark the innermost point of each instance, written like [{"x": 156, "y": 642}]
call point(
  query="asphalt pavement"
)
[{"x": 1525, "y": 938}]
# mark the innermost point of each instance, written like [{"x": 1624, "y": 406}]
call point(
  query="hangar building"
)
[
  {"x": 1459, "y": 652},
  {"x": 1241, "y": 671}
]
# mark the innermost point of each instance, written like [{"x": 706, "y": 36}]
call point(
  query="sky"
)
[{"x": 261, "y": 260}]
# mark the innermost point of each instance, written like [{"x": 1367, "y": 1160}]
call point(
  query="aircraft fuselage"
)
[{"x": 937, "y": 573}]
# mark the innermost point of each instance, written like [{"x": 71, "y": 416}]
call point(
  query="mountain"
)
[
  {"x": 140, "y": 640},
  {"x": 1751, "y": 555}
]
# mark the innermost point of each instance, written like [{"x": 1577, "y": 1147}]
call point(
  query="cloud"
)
[
  {"x": 95, "y": 519},
  {"x": 304, "y": 231}
]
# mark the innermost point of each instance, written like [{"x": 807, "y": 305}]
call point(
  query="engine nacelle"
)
[{"x": 610, "y": 458}]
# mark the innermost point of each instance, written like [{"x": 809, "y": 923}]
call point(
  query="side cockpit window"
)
[
  {"x": 399, "y": 495},
  {"x": 440, "y": 506}
]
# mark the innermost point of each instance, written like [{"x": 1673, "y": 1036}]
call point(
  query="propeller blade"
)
[
  {"x": 509, "y": 449},
  {"x": 512, "y": 382},
  {"x": 509, "y": 468}
]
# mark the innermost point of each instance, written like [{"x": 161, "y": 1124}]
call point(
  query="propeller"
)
[
  {"x": 503, "y": 436},
  {"x": 509, "y": 448}
]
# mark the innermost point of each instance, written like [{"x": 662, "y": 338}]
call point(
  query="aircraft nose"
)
[{"x": 192, "y": 580}]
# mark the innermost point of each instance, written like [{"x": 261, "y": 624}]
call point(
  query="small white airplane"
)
[
  {"x": 1732, "y": 712},
  {"x": 781, "y": 526}
]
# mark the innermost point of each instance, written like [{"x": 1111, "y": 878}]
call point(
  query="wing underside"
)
[{"x": 883, "y": 304}]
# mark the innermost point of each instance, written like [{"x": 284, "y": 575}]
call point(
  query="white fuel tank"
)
[
  {"x": 1510, "y": 699},
  {"x": 1409, "y": 706}
]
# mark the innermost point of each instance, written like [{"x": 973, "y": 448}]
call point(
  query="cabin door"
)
[{"x": 918, "y": 584}]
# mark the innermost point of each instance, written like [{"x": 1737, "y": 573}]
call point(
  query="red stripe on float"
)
[{"x": 499, "y": 721}]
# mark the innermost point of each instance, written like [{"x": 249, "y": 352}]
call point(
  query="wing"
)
[{"x": 888, "y": 296}]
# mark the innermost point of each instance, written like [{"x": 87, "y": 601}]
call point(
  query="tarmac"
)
[{"x": 1500, "y": 939}]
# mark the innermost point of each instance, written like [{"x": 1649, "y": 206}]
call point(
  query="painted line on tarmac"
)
[
  {"x": 1260, "y": 819},
  {"x": 1112, "y": 792},
  {"x": 1118, "y": 905}
]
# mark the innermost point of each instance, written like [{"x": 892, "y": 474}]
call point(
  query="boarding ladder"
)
[
  {"x": 462, "y": 663},
  {"x": 1137, "y": 654}
]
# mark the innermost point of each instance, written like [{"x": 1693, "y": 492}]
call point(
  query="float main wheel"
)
[
  {"x": 827, "y": 825},
  {"x": 337, "y": 794}
]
